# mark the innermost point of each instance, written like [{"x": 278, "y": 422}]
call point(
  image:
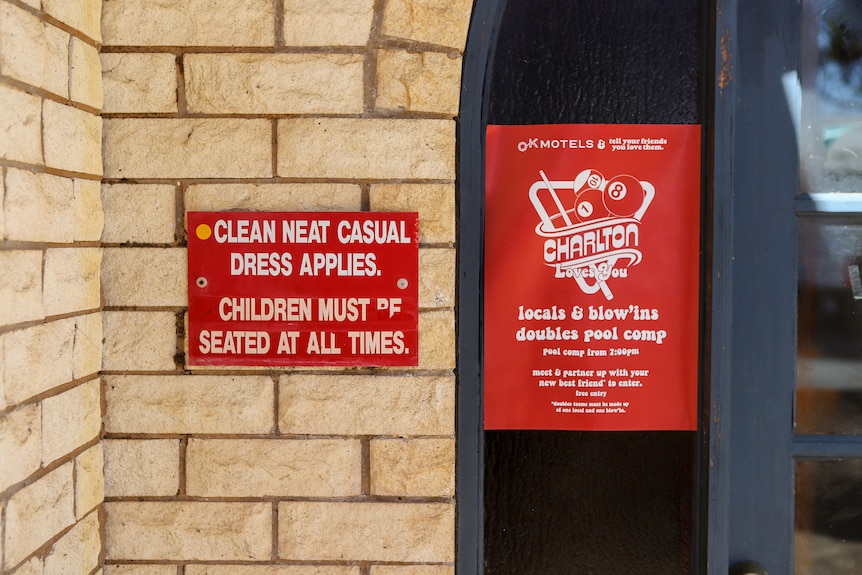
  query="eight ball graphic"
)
[{"x": 623, "y": 196}]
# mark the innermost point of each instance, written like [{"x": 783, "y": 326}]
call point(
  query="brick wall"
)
[
  {"x": 274, "y": 105},
  {"x": 51, "y": 484}
]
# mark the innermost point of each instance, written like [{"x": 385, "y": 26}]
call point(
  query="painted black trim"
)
[
  {"x": 471, "y": 217},
  {"x": 721, "y": 162}
]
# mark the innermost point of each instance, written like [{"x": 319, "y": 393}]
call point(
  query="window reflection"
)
[
  {"x": 829, "y": 342},
  {"x": 828, "y": 514},
  {"x": 828, "y": 518},
  {"x": 831, "y": 81}
]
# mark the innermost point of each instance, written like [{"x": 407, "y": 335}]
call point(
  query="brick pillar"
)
[
  {"x": 51, "y": 484},
  {"x": 282, "y": 105}
]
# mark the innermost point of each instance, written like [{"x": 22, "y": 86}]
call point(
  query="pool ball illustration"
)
[
  {"x": 623, "y": 196},
  {"x": 588, "y": 179},
  {"x": 589, "y": 205}
]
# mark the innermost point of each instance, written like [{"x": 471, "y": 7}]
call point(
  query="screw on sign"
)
[{"x": 591, "y": 225}]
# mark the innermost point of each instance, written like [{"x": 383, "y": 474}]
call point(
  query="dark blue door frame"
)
[
  {"x": 755, "y": 178},
  {"x": 751, "y": 301}
]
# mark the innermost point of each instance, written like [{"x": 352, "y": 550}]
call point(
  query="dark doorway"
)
[{"x": 563, "y": 502}]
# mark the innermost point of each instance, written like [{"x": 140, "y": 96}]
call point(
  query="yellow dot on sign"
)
[{"x": 204, "y": 232}]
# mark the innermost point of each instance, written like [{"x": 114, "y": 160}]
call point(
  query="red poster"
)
[
  {"x": 303, "y": 288},
  {"x": 592, "y": 238}
]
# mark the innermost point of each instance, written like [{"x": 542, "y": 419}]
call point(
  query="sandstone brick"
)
[
  {"x": 412, "y": 570},
  {"x": 139, "y": 213},
  {"x": 187, "y": 148},
  {"x": 39, "y": 207},
  {"x": 405, "y": 467},
  {"x": 20, "y": 126},
  {"x": 72, "y": 139},
  {"x": 3, "y": 203},
  {"x": 189, "y": 404},
  {"x": 273, "y": 197},
  {"x": 138, "y": 569},
  {"x": 442, "y": 22},
  {"x": 317, "y": 404},
  {"x": 372, "y": 531},
  {"x": 436, "y": 277},
  {"x": 328, "y": 22},
  {"x": 21, "y": 286},
  {"x": 46, "y": 208},
  {"x": 70, "y": 420},
  {"x": 87, "y": 214},
  {"x": 85, "y": 83},
  {"x": 83, "y": 15},
  {"x": 77, "y": 552},
  {"x": 188, "y": 531},
  {"x": 89, "y": 479},
  {"x": 37, "y": 513},
  {"x": 44, "y": 356},
  {"x": 37, "y": 358},
  {"x": 273, "y": 467},
  {"x": 418, "y": 82},
  {"x": 139, "y": 341},
  {"x": 188, "y": 23},
  {"x": 4, "y": 402},
  {"x": 20, "y": 444},
  {"x": 71, "y": 280},
  {"x": 142, "y": 467},
  {"x": 32, "y": 51},
  {"x": 434, "y": 202},
  {"x": 366, "y": 148},
  {"x": 437, "y": 340},
  {"x": 274, "y": 83},
  {"x": 140, "y": 83},
  {"x": 32, "y": 566},
  {"x": 87, "y": 346},
  {"x": 145, "y": 277},
  {"x": 271, "y": 570}
]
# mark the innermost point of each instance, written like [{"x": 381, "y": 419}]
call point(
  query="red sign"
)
[
  {"x": 285, "y": 289},
  {"x": 592, "y": 237}
]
